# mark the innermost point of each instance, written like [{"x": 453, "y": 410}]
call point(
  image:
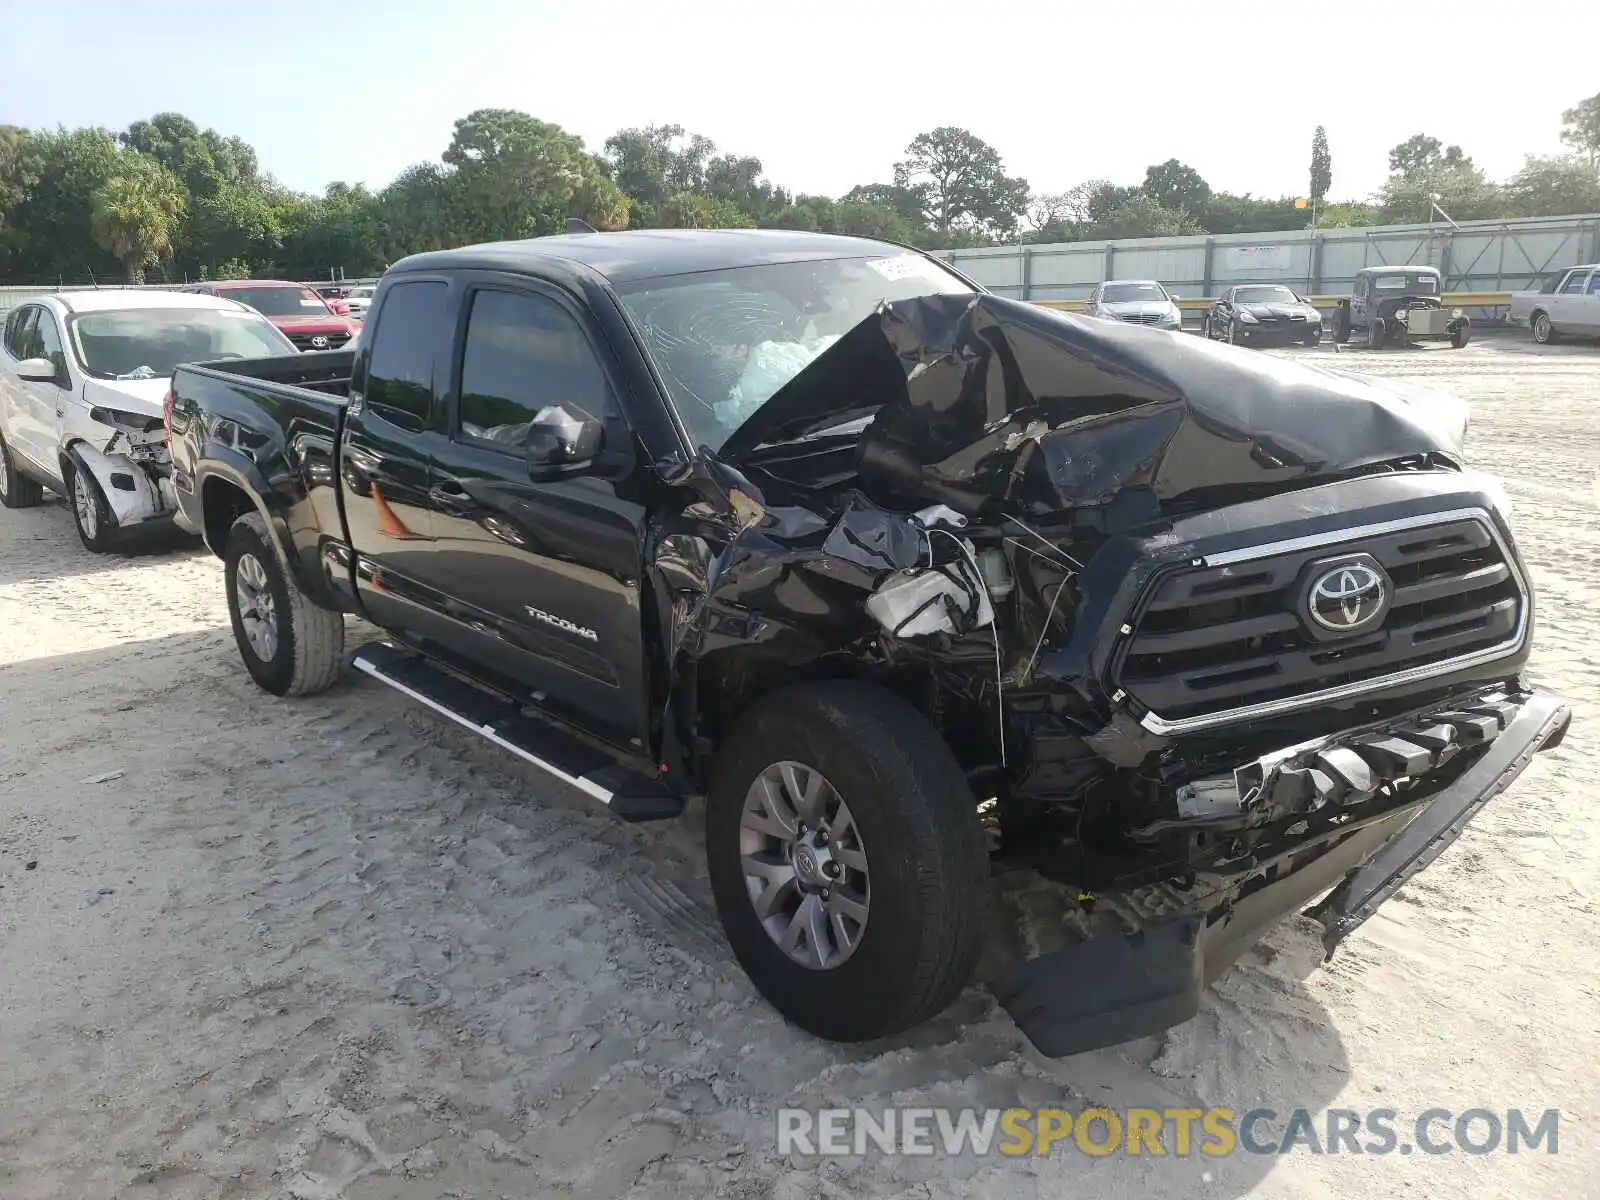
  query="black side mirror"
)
[{"x": 559, "y": 442}]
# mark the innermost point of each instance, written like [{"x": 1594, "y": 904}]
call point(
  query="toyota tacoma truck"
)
[{"x": 1003, "y": 645}]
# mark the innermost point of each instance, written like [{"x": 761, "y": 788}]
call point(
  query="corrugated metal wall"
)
[{"x": 1480, "y": 256}]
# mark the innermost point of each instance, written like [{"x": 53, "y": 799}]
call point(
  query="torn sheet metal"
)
[{"x": 978, "y": 401}]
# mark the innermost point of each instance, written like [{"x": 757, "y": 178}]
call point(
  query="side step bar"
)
[{"x": 629, "y": 794}]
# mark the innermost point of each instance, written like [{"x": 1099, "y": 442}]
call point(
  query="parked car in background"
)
[
  {"x": 82, "y": 380},
  {"x": 1262, "y": 314},
  {"x": 1140, "y": 301},
  {"x": 817, "y": 530},
  {"x": 1570, "y": 308},
  {"x": 302, "y": 315},
  {"x": 359, "y": 299},
  {"x": 1399, "y": 305},
  {"x": 334, "y": 296}
]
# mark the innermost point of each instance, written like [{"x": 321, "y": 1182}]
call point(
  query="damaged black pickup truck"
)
[{"x": 920, "y": 588}]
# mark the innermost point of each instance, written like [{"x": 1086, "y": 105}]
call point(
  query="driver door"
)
[{"x": 542, "y": 578}]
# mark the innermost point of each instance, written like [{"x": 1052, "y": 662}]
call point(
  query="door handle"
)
[{"x": 452, "y": 496}]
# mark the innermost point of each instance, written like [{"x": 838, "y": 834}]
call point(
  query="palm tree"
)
[{"x": 137, "y": 212}]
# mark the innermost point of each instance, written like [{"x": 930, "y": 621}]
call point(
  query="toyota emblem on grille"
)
[
  {"x": 319, "y": 342},
  {"x": 1348, "y": 598}
]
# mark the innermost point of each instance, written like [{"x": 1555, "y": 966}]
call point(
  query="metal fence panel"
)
[{"x": 1476, "y": 256}]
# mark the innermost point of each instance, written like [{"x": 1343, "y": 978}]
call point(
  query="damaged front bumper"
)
[
  {"x": 1129, "y": 984},
  {"x": 137, "y": 485}
]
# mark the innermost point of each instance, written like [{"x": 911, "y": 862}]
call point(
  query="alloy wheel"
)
[
  {"x": 258, "y": 611},
  {"x": 804, "y": 865},
  {"x": 83, "y": 504}
]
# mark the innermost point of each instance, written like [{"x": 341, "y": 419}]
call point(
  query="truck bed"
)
[{"x": 324, "y": 371}]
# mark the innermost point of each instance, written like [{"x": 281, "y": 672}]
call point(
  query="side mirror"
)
[
  {"x": 558, "y": 442},
  {"x": 38, "y": 370},
  {"x": 1174, "y": 296}
]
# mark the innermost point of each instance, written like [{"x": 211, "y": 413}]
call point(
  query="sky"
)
[{"x": 826, "y": 93}]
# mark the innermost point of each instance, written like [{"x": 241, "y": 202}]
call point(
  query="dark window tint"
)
[
  {"x": 21, "y": 333},
  {"x": 525, "y": 354},
  {"x": 400, "y": 367}
]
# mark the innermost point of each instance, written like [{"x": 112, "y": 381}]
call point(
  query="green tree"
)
[
  {"x": 1420, "y": 154},
  {"x": 1142, "y": 216},
  {"x": 690, "y": 210},
  {"x": 1553, "y": 187},
  {"x": 1176, "y": 187},
  {"x": 136, "y": 213},
  {"x": 517, "y": 177},
  {"x": 1581, "y": 129},
  {"x": 1321, "y": 166},
  {"x": 63, "y": 169},
  {"x": 961, "y": 182}
]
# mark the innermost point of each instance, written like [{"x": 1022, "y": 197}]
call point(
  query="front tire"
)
[
  {"x": 16, "y": 489},
  {"x": 1460, "y": 336},
  {"x": 290, "y": 645},
  {"x": 847, "y": 860},
  {"x": 91, "y": 514},
  {"x": 1544, "y": 330},
  {"x": 1375, "y": 334}
]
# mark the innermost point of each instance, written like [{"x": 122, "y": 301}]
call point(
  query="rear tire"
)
[
  {"x": 91, "y": 514},
  {"x": 910, "y": 858},
  {"x": 16, "y": 489},
  {"x": 290, "y": 645}
]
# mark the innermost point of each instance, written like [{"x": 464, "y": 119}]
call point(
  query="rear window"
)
[
  {"x": 406, "y": 336},
  {"x": 280, "y": 301}
]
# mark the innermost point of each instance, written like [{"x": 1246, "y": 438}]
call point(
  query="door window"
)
[
  {"x": 399, "y": 384},
  {"x": 47, "y": 341},
  {"x": 1574, "y": 284},
  {"x": 19, "y": 331},
  {"x": 524, "y": 353}
]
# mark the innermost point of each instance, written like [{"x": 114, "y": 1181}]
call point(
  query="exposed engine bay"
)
[{"x": 988, "y": 506}]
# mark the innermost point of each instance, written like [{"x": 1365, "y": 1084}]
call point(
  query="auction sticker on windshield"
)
[{"x": 901, "y": 266}]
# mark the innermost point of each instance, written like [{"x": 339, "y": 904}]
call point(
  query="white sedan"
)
[{"x": 83, "y": 379}]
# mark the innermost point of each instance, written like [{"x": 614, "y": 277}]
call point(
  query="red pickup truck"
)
[{"x": 298, "y": 312}]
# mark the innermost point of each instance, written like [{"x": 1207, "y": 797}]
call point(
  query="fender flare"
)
[{"x": 231, "y": 467}]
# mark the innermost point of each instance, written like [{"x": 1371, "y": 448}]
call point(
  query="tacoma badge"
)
[{"x": 561, "y": 623}]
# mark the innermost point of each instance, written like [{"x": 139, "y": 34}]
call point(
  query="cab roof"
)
[{"x": 652, "y": 253}]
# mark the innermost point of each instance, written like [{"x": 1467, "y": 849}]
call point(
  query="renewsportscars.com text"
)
[{"x": 1181, "y": 1132}]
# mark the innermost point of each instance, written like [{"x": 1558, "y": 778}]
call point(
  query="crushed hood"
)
[{"x": 977, "y": 400}]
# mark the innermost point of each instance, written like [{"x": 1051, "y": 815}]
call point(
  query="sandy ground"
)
[{"x": 336, "y": 947}]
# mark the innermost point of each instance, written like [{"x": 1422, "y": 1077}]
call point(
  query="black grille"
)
[
  {"x": 1216, "y": 638},
  {"x": 302, "y": 341}
]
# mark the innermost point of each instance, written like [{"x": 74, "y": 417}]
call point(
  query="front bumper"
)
[
  {"x": 1119, "y": 986},
  {"x": 133, "y": 493},
  {"x": 1286, "y": 334}
]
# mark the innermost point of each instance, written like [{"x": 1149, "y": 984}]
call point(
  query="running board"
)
[{"x": 629, "y": 794}]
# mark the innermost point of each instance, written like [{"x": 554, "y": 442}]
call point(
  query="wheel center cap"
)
[{"x": 811, "y": 859}]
